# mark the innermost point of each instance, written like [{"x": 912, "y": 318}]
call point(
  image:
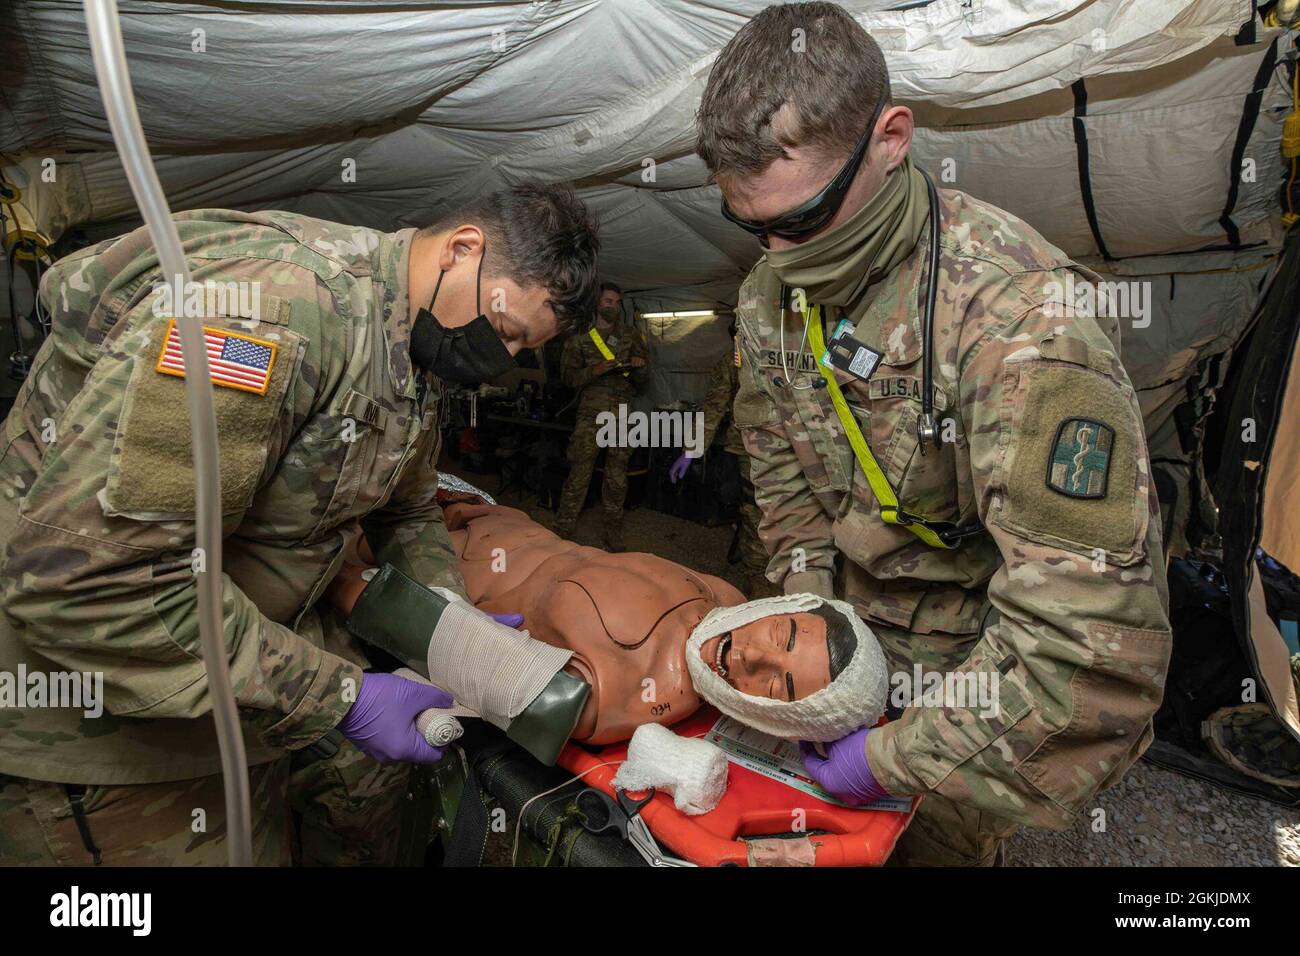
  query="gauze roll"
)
[
  {"x": 438, "y": 727},
  {"x": 492, "y": 669},
  {"x": 692, "y": 770},
  {"x": 856, "y": 698}
]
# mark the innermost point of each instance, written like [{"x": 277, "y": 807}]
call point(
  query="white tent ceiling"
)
[{"x": 437, "y": 102}]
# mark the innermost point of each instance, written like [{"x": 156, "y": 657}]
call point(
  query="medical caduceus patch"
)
[{"x": 1080, "y": 461}]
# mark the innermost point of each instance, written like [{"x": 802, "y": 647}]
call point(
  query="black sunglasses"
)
[{"x": 820, "y": 209}]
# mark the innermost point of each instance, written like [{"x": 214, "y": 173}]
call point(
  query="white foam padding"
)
[{"x": 694, "y": 771}]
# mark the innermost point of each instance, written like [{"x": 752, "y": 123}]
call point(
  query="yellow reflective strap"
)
[
  {"x": 880, "y": 487},
  {"x": 601, "y": 346}
]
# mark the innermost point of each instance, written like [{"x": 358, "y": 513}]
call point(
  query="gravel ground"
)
[{"x": 1153, "y": 817}]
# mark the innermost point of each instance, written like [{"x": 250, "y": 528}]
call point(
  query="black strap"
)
[
  {"x": 1249, "y": 114},
  {"x": 468, "y": 838},
  {"x": 1246, "y": 33},
  {"x": 75, "y": 794},
  {"x": 327, "y": 746},
  {"x": 926, "y": 421},
  {"x": 1085, "y": 177}
]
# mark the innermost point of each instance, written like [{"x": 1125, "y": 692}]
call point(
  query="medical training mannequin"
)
[{"x": 627, "y": 618}]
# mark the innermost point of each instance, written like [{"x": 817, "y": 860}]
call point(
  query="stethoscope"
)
[{"x": 926, "y": 429}]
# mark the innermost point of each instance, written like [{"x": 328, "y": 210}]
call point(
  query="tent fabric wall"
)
[
  {"x": 436, "y": 104},
  {"x": 1253, "y": 478},
  {"x": 1198, "y": 307},
  {"x": 1170, "y": 103},
  {"x": 440, "y": 103}
]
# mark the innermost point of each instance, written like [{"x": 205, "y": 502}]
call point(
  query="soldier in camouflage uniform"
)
[
  {"x": 1054, "y": 593},
  {"x": 605, "y": 383},
  {"x": 330, "y": 426},
  {"x": 716, "y": 408}
]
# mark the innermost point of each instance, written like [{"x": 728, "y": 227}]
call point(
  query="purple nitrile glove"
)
[
  {"x": 678, "y": 469},
  {"x": 509, "y": 620},
  {"x": 845, "y": 773},
  {"x": 382, "y": 721}
]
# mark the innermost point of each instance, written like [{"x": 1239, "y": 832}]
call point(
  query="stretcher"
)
[
  {"x": 755, "y": 824},
  {"x": 760, "y": 821}
]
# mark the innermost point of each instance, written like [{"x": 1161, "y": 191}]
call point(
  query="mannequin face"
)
[{"x": 783, "y": 656}]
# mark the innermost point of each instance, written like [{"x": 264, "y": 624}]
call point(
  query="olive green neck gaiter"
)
[{"x": 836, "y": 267}]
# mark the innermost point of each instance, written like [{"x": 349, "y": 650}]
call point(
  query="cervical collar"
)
[{"x": 854, "y": 699}]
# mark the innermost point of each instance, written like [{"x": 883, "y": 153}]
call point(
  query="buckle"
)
[{"x": 953, "y": 532}]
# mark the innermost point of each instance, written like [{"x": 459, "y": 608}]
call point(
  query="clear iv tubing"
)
[{"x": 119, "y": 103}]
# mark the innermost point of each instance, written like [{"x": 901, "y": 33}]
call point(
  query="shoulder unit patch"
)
[{"x": 1079, "y": 464}]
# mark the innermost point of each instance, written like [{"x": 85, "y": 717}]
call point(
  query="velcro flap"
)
[{"x": 151, "y": 472}]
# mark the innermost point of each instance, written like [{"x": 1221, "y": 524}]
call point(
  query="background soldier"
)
[
  {"x": 1047, "y": 587},
  {"x": 327, "y": 400},
  {"x": 602, "y": 364}
]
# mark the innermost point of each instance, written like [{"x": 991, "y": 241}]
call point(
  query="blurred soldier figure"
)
[
  {"x": 329, "y": 345},
  {"x": 602, "y": 363},
  {"x": 723, "y": 383},
  {"x": 1012, "y": 543}
]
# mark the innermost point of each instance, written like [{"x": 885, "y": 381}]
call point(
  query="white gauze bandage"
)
[
  {"x": 438, "y": 727},
  {"x": 856, "y": 698},
  {"x": 692, "y": 770},
  {"x": 490, "y": 668}
]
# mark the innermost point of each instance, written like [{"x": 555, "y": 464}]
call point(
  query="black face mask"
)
[{"x": 467, "y": 355}]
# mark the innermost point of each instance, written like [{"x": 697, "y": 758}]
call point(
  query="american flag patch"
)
[{"x": 236, "y": 361}]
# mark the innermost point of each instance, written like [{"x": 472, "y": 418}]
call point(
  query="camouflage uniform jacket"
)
[
  {"x": 578, "y": 367},
  {"x": 96, "y": 517},
  {"x": 1078, "y": 640}
]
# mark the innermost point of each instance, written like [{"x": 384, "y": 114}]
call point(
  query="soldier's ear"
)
[
  {"x": 894, "y": 136},
  {"x": 463, "y": 242}
]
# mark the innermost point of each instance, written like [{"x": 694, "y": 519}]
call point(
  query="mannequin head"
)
[
  {"x": 835, "y": 664},
  {"x": 783, "y": 656}
]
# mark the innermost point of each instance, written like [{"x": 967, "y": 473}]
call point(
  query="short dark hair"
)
[
  {"x": 538, "y": 234},
  {"x": 841, "y": 639},
  {"x": 608, "y": 286},
  {"x": 832, "y": 81}
]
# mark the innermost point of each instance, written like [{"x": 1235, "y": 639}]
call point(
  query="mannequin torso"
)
[{"x": 626, "y": 617}]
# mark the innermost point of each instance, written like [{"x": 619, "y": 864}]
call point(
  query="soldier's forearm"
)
[
  {"x": 793, "y": 527},
  {"x": 1053, "y": 704},
  {"x": 419, "y": 547},
  {"x": 145, "y": 642},
  {"x": 819, "y": 581}
]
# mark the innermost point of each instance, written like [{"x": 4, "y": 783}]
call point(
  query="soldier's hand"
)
[
  {"x": 844, "y": 771},
  {"x": 382, "y": 721},
  {"x": 637, "y": 362},
  {"x": 605, "y": 367}
]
